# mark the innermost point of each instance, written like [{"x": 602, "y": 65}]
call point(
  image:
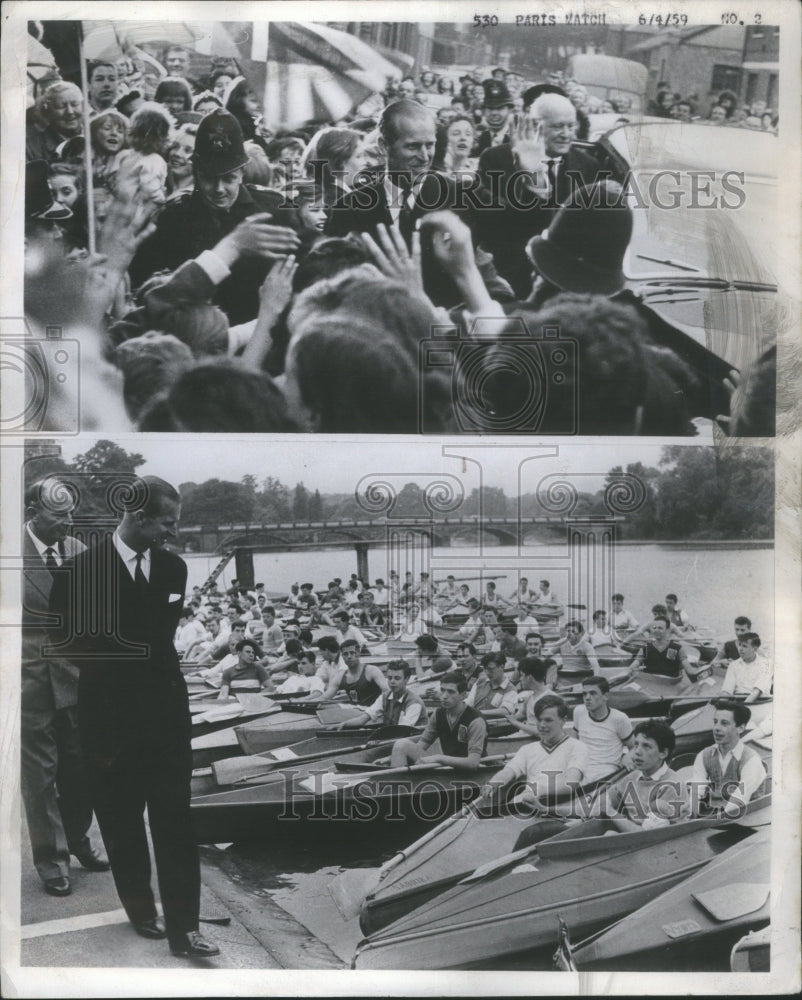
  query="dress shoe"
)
[
  {"x": 58, "y": 886},
  {"x": 92, "y": 860},
  {"x": 194, "y": 945},
  {"x": 153, "y": 929}
]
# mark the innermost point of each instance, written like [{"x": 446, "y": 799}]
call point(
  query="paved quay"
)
[{"x": 89, "y": 929}]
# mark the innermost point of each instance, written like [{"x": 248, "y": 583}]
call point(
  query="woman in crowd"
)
[
  {"x": 454, "y": 147},
  {"x": 335, "y": 157},
  {"x": 175, "y": 94},
  {"x": 60, "y": 112},
  {"x": 179, "y": 159},
  {"x": 206, "y": 102},
  {"x": 244, "y": 105}
]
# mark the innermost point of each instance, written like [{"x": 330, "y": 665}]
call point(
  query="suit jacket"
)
[
  {"x": 362, "y": 209},
  {"x": 504, "y": 228},
  {"x": 190, "y": 225},
  {"x": 47, "y": 683},
  {"x": 131, "y": 688}
]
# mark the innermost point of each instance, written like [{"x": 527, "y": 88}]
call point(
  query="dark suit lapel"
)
[{"x": 37, "y": 575}]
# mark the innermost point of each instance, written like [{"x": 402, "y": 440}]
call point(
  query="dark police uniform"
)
[{"x": 189, "y": 225}]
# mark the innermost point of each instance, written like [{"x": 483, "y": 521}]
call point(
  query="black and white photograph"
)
[
  {"x": 400, "y": 519},
  {"x": 369, "y": 227}
]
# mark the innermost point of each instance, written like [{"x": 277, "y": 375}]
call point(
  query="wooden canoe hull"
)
[
  {"x": 517, "y": 910},
  {"x": 283, "y": 808},
  {"x": 680, "y": 917}
]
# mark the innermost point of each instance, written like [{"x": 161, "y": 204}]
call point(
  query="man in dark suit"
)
[
  {"x": 133, "y": 710},
  {"x": 406, "y": 190},
  {"x": 526, "y": 180},
  {"x": 54, "y": 790}
]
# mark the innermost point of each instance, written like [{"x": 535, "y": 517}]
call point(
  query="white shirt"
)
[
  {"x": 753, "y": 774},
  {"x": 41, "y": 548},
  {"x": 128, "y": 556},
  {"x": 536, "y": 765},
  {"x": 604, "y": 739},
  {"x": 624, "y": 619},
  {"x": 299, "y": 684},
  {"x": 742, "y": 677}
]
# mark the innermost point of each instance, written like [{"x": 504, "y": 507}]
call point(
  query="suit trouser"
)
[
  {"x": 157, "y": 776},
  {"x": 54, "y": 788}
]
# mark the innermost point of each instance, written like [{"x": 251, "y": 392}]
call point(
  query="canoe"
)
[
  {"x": 652, "y": 695},
  {"x": 307, "y": 796},
  {"x": 717, "y": 904},
  {"x": 752, "y": 953},
  {"x": 444, "y": 856},
  {"x": 212, "y": 716},
  {"x": 693, "y": 730},
  {"x": 589, "y": 876},
  {"x": 276, "y": 730}
]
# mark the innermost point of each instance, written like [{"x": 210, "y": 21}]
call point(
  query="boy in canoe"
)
[
  {"x": 535, "y": 684},
  {"x": 727, "y": 775},
  {"x": 553, "y": 766},
  {"x": 750, "y": 674},
  {"x": 576, "y": 650},
  {"x": 460, "y": 730},
  {"x": 606, "y": 732},
  {"x": 398, "y": 706},
  {"x": 662, "y": 655},
  {"x": 247, "y": 674},
  {"x": 729, "y": 650},
  {"x": 648, "y": 797}
]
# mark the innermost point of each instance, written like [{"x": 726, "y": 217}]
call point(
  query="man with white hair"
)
[{"x": 526, "y": 180}]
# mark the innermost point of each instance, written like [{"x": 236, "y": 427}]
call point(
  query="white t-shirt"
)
[
  {"x": 742, "y": 677},
  {"x": 536, "y": 765},
  {"x": 299, "y": 684},
  {"x": 604, "y": 739}
]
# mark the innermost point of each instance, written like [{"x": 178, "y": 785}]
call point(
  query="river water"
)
[{"x": 714, "y": 585}]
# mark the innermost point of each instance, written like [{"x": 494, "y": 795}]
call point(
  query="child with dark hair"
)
[{"x": 175, "y": 94}]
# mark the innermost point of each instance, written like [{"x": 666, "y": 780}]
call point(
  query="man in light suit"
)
[
  {"x": 133, "y": 710},
  {"x": 54, "y": 790}
]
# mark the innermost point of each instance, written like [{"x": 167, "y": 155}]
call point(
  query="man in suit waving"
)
[
  {"x": 54, "y": 791},
  {"x": 526, "y": 180},
  {"x": 133, "y": 710}
]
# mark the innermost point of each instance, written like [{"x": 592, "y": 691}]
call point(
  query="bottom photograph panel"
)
[{"x": 360, "y": 706}]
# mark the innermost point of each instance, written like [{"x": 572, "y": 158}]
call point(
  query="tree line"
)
[{"x": 694, "y": 493}]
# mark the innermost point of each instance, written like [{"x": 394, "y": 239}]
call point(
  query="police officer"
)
[
  {"x": 497, "y": 109},
  {"x": 219, "y": 204}
]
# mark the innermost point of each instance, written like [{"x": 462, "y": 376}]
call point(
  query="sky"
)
[{"x": 338, "y": 465}]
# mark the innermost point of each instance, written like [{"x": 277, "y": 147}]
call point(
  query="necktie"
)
[
  {"x": 551, "y": 169},
  {"x": 50, "y": 559},
  {"x": 139, "y": 574}
]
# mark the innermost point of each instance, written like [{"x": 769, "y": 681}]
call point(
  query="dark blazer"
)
[
  {"x": 362, "y": 209},
  {"x": 47, "y": 683},
  {"x": 190, "y": 225},
  {"x": 504, "y": 228},
  {"x": 131, "y": 686}
]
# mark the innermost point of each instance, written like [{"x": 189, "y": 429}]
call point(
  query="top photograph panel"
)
[{"x": 400, "y": 228}]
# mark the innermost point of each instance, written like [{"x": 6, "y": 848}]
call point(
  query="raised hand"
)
[
  {"x": 256, "y": 237},
  {"x": 529, "y": 147},
  {"x": 276, "y": 290},
  {"x": 393, "y": 259},
  {"x": 451, "y": 241}
]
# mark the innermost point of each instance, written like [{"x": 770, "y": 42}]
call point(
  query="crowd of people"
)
[
  {"x": 725, "y": 109},
  {"x": 496, "y": 667},
  {"x": 245, "y": 278}
]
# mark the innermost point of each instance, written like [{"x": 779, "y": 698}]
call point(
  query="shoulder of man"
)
[{"x": 497, "y": 158}]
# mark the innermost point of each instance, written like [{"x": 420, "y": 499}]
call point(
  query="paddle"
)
[
  {"x": 325, "y": 782},
  {"x": 239, "y": 770}
]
